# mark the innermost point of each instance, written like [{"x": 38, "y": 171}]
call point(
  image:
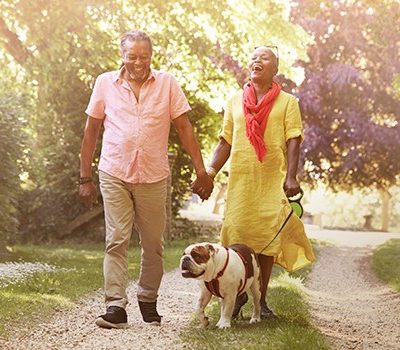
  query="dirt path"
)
[
  {"x": 349, "y": 304},
  {"x": 75, "y": 329}
]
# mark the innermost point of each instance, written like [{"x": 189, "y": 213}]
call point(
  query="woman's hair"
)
[{"x": 135, "y": 35}]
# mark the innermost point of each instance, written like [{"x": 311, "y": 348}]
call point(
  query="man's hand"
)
[
  {"x": 203, "y": 186},
  {"x": 291, "y": 187},
  {"x": 88, "y": 194}
]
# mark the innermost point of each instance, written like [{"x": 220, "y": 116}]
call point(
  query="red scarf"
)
[{"x": 257, "y": 115}]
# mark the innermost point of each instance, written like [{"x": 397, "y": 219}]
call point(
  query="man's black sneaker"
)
[
  {"x": 266, "y": 313},
  {"x": 115, "y": 317},
  {"x": 149, "y": 313},
  {"x": 240, "y": 301}
]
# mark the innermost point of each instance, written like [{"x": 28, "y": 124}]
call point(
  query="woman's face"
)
[
  {"x": 263, "y": 64},
  {"x": 136, "y": 56}
]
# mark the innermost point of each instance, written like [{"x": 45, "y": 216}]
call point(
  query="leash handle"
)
[
  {"x": 297, "y": 197},
  {"x": 294, "y": 202}
]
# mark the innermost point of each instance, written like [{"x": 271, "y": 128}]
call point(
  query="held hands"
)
[
  {"x": 291, "y": 187},
  {"x": 88, "y": 194},
  {"x": 203, "y": 186}
]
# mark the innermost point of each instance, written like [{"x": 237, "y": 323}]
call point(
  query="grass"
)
[
  {"x": 386, "y": 263},
  {"x": 291, "y": 331},
  {"x": 79, "y": 271}
]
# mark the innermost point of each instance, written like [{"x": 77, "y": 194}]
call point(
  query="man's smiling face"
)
[{"x": 137, "y": 59}]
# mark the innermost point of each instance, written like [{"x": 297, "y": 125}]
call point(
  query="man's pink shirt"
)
[{"x": 135, "y": 139}]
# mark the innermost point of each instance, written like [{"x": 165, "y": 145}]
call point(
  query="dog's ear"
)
[{"x": 211, "y": 249}]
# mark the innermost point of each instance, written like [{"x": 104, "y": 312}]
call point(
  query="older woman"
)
[{"x": 262, "y": 132}]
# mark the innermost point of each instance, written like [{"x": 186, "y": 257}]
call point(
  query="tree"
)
[
  {"x": 62, "y": 46},
  {"x": 58, "y": 61},
  {"x": 350, "y": 107},
  {"x": 66, "y": 45},
  {"x": 14, "y": 109}
]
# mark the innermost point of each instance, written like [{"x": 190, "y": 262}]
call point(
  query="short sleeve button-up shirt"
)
[{"x": 135, "y": 139}]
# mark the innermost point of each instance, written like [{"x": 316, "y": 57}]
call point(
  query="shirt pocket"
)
[{"x": 158, "y": 109}]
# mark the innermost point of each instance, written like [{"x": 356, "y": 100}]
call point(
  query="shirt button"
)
[{"x": 283, "y": 201}]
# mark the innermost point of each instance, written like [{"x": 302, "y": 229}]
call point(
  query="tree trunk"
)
[
  {"x": 385, "y": 198},
  {"x": 168, "y": 224},
  {"x": 13, "y": 44}
]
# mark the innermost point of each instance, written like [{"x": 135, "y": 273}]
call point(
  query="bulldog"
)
[{"x": 225, "y": 273}]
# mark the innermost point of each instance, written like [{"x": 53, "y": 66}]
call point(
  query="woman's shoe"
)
[{"x": 266, "y": 313}]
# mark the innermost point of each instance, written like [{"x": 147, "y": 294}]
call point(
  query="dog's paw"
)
[
  {"x": 204, "y": 322},
  {"x": 255, "y": 319},
  {"x": 223, "y": 324}
]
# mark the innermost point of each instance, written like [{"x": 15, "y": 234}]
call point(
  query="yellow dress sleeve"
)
[
  {"x": 227, "y": 128},
  {"x": 293, "y": 123}
]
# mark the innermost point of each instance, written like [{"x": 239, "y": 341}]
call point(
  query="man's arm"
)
[
  {"x": 191, "y": 146},
  {"x": 87, "y": 189},
  {"x": 291, "y": 185}
]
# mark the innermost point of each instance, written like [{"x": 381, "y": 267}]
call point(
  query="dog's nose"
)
[
  {"x": 185, "y": 258},
  {"x": 185, "y": 262}
]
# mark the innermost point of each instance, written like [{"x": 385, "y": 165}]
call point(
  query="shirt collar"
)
[{"x": 118, "y": 75}]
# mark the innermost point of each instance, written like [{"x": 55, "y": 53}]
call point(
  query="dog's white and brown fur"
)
[{"x": 240, "y": 273}]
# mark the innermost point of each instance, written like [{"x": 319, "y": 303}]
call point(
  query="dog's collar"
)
[{"x": 213, "y": 285}]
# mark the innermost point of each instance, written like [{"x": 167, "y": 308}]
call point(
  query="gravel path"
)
[
  {"x": 349, "y": 304},
  {"x": 75, "y": 329}
]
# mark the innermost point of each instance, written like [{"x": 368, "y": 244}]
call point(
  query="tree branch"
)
[{"x": 12, "y": 43}]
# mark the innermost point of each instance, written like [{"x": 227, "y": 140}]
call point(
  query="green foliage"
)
[
  {"x": 14, "y": 109},
  {"x": 205, "y": 124},
  {"x": 61, "y": 65},
  {"x": 62, "y": 46},
  {"x": 386, "y": 263}
]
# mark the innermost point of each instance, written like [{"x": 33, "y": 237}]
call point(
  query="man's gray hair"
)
[{"x": 135, "y": 35}]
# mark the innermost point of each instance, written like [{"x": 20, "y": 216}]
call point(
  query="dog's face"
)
[{"x": 196, "y": 260}]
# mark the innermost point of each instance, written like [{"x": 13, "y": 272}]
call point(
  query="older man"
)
[
  {"x": 136, "y": 105},
  {"x": 261, "y": 133}
]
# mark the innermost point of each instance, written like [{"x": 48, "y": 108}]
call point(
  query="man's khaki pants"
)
[{"x": 125, "y": 205}]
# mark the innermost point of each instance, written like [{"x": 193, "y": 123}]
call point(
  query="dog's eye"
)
[{"x": 195, "y": 255}]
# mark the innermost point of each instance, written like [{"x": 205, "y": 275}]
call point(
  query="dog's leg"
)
[
  {"x": 227, "y": 305},
  {"x": 204, "y": 299},
  {"x": 256, "y": 294}
]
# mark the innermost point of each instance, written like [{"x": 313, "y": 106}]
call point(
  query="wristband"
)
[
  {"x": 211, "y": 172},
  {"x": 85, "y": 180}
]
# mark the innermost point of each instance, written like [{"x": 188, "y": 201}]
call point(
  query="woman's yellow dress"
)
[{"x": 256, "y": 207}]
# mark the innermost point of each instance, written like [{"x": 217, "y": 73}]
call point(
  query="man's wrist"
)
[
  {"x": 85, "y": 179},
  {"x": 201, "y": 172}
]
